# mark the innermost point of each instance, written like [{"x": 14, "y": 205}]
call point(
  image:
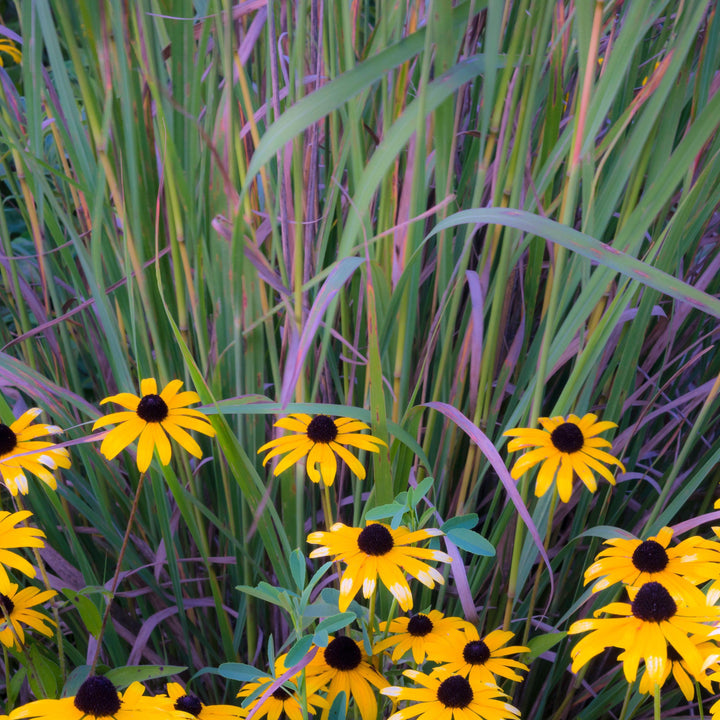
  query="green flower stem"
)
[
  {"x": 56, "y": 615},
  {"x": 116, "y": 576},
  {"x": 656, "y": 703},
  {"x": 626, "y": 701},
  {"x": 541, "y": 567},
  {"x": 327, "y": 507}
]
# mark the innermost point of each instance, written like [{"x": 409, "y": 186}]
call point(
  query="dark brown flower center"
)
[
  {"x": 343, "y": 653},
  {"x": 476, "y": 652},
  {"x": 8, "y": 439},
  {"x": 98, "y": 697},
  {"x": 653, "y": 603},
  {"x": 322, "y": 429},
  {"x": 281, "y": 694},
  {"x": 455, "y": 692},
  {"x": 152, "y": 409},
  {"x": 419, "y": 625},
  {"x": 375, "y": 539},
  {"x": 189, "y": 704},
  {"x": 6, "y": 604},
  {"x": 650, "y": 557},
  {"x": 567, "y": 438}
]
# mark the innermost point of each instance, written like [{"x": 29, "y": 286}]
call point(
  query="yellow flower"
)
[
  {"x": 15, "y": 607},
  {"x": 17, "y": 537},
  {"x": 426, "y": 634},
  {"x": 319, "y": 438},
  {"x": 153, "y": 417},
  {"x": 192, "y": 705},
  {"x": 20, "y": 451},
  {"x": 481, "y": 659},
  {"x": 644, "y": 630},
  {"x": 565, "y": 446},
  {"x": 682, "y": 673},
  {"x": 98, "y": 698},
  {"x": 450, "y": 697},
  {"x": 679, "y": 568},
  {"x": 8, "y": 47},
  {"x": 343, "y": 666},
  {"x": 285, "y": 700},
  {"x": 378, "y": 550}
]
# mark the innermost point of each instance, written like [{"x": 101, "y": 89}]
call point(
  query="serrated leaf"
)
[
  {"x": 542, "y": 643},
  {"x": 298, "y": 651},
  {"x": 86, "y": 609},
  {"x": 239, "y": 671},
  {"x": 461, "y": 521},
  {"x": 471, "y": 542},
  {"x": 123, "y": 676}
]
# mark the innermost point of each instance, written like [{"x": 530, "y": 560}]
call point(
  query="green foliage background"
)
[{"x": 506, "y": 207}]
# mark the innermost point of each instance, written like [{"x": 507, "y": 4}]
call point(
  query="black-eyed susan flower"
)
[
  {"x": 684, "y": 677},
  {"x": 450, "y": 697},
  {"x": 12, "y": 538},
  {"x": 679, "y": 568},
  {"x": 482, "y": 659},
  {"x": 566, "y": 446},
  {"x": 192, "y": 705},
  {"x": 8, "y": 47},
  {"x": 342, "y": 666},
  {"x": 319, "y": 438},
  {"x": 425, "y": 634},
  {"x": 97, "y": 697},
  {"x": 152, "y": 418},
  {"x": 20, "y": 452},
  {"x": 284, "y": 701},
  {"x": 15, "y": 611},
  {"x": 378, "y": 550},
  {"x": 644, "y": 629}
]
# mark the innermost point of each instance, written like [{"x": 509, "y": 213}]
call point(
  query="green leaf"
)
[
  {"x": 123, "y": 676},
  {"x": 461, "y": 521},
  {"x": 471, "y": 541},
  {"x": 416, "y": 494},
  {"x": 382, "y": 512},
  {"x": 298, "y": 568},
  {"x": 240, "y": 672},
  {"x": 606, "y": 532},
  {"x": 268, "y": 593},
  {"x": 330, "y": 625},
  {"x": 541, "y": 643},
  {"x": 338, "y": 708},
  {"x": 86, "y": 608},
  {"x": 298, "y": 651}
]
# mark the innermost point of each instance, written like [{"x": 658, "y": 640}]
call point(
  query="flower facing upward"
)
[
  {"x": 481, "y": 659},
  {"x": 319, "y": 438},
  {"x": 450, "y": 697},
  {"x": 20, "y": 451},
  {"x": 98, "y": 698},
  {"x": 679, "y": 568},
  {"x": 191, "y": 704},
  {"x": 564, "y": 446},
  {"x": 644, "y": 630},
  {"x": 343, "y": 667},
  {"x": 153, "y": 417},
  {"x": 379, "y": 550},
  {"x": 15, "y": 607},
  {"x": 17, "y": 537},
  {"x": 431, "y": 635}
]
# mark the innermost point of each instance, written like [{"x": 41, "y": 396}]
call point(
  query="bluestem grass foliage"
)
[{"x": 509, "y": 208}]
